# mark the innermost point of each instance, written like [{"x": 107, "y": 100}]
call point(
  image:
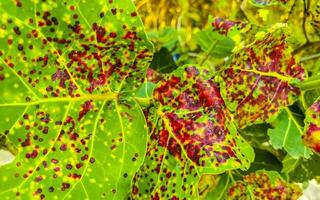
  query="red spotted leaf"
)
[
  {"x": 311, "y": 135},
  {"x": 263, "y": 185},
  {"x": 224, "y": 26},
  {"x": 192, "y": 133},
  {"x": 260, "y": 79},
  {"x": 68, "y": 73}
]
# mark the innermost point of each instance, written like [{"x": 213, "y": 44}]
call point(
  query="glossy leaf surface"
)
[
  {"x": 68, "y": 72},
  {"x": 311, "y": 135},
  {"x": 263, "y": 185},
  {"x": 192, "y": 133},
  {"x": 260, "y": 78}
]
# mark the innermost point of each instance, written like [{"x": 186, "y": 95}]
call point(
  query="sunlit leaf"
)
[
  {"x": 311, "y": 135},
  {"x": 263, "y": 185},
  {"x": 192, "y": 133},
  {"x": 69, "y": 70}
]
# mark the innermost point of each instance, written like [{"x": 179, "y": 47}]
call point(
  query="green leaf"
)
[
  {"x": 263, "y": 185},
  {"x": 311, "y": 96},
  {"x": 289, "y": 164},
  {"x": 69, "y": 71},
  {"x": 167, "y": 37},
  {"x": 69, "y": 156},
  {"x": 256, "y": 134},
  {"x": 220, "y": 190},
  {"x": 301, "y": 170},
  {"x": 214, "y": 44},
  {"x": 311, "y": 136},
  {"x": 264, "y": 160},
  {"x": 261, "y": 77},
  {"x": 163, "y": 61},
  {"x": 191, "y": 134},
  {"x": 146, "y": 90},
  {"x": 286, "y": 135}
]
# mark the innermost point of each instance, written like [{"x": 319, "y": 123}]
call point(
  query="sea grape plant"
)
[
  {"x": 69, "y": 74},
  {"x": 88, "y": 112},
  {"x": 191, "y": 133}
]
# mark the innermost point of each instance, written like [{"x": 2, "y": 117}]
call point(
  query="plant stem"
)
[{"x": 311, "y": 83}]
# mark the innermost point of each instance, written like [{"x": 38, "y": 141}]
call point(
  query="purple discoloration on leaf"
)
[
  {"x": 63, "y": 65},
  {"x": 224, "y": 26},
  {"x": 193, "y": 134},
  {"x": 260, "y": 79}
]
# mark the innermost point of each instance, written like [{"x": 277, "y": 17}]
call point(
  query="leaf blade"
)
[{"x": 192, "y": 135}]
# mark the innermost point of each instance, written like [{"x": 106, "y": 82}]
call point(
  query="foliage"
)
[
  {"x": 196, "y": 100},
  {"x": 68, "y": 82},
  {"x": 263, "y": 185},
  {"x": 190, "y": 128},
  {"x": 286, "y": 134}
]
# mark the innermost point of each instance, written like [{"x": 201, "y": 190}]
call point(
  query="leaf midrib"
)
[
  {"x": 269, "y": 74},
  {"x": 107, "y": 97}
]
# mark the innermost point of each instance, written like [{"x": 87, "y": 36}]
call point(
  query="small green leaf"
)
[{"x": 286, "y": 135}]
